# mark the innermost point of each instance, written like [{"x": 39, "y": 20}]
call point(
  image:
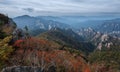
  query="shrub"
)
[{"x": 5, "y": 50}]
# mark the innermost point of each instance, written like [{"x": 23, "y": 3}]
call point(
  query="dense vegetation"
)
[
  {"x": 5, "y": 51},
  {"x": 106, "y": 60}
]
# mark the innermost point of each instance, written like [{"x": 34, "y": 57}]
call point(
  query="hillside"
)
[
  {"x": 68, "y": 38},
  {"x": 46, "y": 55},
  {"x": 106, "y": 60},
  {"x": 7, "y": 26}
]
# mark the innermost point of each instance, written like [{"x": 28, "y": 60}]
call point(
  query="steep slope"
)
[
  {"x": 104, "y": 41},
  {"x": 68, "y": 38},
  {"x": 86, "y": 33},
  {"x": 100, "y": 40},
  {"x": 7, "y": 26},
  {"x": 42, "y": 55},
  {"x": 106, "y": 59}
]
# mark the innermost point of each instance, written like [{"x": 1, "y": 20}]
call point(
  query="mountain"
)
[
  {"x": 43, "y": 55},
  {"x": 107, "y": 54},
  {"x": 74, "y": 22},
  {"x": 25, "y": 20},
  {"x": 68, "y": 38},
  {"x": 100, "y": 40},
  {"x": 111, "y": 27},
  {"x": 104, "y": 41},
  {"x": 86, "y": 33},
  {"x": 54, "y": 30},
  {"x": 36, "y": 23},
  {"x": 58, "y": 47},
  {"x": 78, "y": 22}
]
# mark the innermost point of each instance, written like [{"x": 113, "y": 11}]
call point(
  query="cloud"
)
[
  {"x": 28, "y": 9},
  {"x": 59, "y": 7}
]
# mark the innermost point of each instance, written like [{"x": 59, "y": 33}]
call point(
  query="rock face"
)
[
  {"x": 28, "y": 69},
  {"x": 22, "y": 69}
]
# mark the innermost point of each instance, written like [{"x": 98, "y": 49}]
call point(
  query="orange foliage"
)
[
  {"x": 18, "y": 43},
  {"x": 32, "y": 43},
  {"x": 87, "y": 69},
  {"x": 59, "y": 57}
]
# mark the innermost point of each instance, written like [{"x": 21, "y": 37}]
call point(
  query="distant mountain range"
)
[
  {"x": 37, "y": 25},
  {"x": 74, "y": 21},
  {"x": 110, "y": 25},
  {"x": 100, "y": 40},
  {"x": 36, "y": 22},
  {"x": 80, "y": 21}
]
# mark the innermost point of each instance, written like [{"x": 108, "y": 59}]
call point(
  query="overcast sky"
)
[{"x": 59, "y": 7}]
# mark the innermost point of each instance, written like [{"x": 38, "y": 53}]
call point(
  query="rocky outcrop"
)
[{"x": 22, "y": 69}]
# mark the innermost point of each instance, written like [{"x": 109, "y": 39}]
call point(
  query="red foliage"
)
[
  {"x": 18, "y": 43},
  {"x": 32, "y": 43},
  {"x": 59, "y": 57},
  {"x": 87, "y": 69}
]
